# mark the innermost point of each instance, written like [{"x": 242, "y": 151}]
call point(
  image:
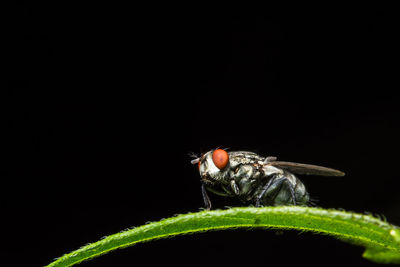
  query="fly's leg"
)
[
  {"x": 207, "y": 201},
  {"x": 291, "y": 189},
  {"x": 265, "y": 188},
  {"x": 274, "y": 183},
  {"x": 234, "y": 187}
]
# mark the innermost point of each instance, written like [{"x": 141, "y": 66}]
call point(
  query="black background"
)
[{"x": 103, "y": 106}]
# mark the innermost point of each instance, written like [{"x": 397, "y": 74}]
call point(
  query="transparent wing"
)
[{"x": 306, "y": 169}]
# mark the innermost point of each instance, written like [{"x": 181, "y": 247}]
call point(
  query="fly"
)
[{"x": 257, "y": 180}]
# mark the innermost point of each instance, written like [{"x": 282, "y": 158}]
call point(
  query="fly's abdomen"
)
[
  {"x": 284, "y": 197},
  {"x": 282, "y": 189}
]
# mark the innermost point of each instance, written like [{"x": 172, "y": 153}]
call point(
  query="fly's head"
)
[{"x": 213, "y": 167}]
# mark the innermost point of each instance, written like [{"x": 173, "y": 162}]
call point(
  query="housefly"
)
[{"x": 253, "y": 179}]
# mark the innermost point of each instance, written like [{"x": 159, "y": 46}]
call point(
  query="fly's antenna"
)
[
  {"x": 195, "y": 156},
  {"x": 195, "y": 161}
]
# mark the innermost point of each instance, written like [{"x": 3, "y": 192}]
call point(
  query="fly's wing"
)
[{"x": 306, "y": 169}]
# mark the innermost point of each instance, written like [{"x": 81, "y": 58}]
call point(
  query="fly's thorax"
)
[
  {"x": 271, "y": 170},
  {"x": 243, "y": 157}
]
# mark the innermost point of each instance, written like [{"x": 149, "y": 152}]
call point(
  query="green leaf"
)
[{"x": 381, "y": 239}]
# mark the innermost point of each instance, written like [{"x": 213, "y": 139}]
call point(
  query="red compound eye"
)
[{"x": 220, "y": 158}]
